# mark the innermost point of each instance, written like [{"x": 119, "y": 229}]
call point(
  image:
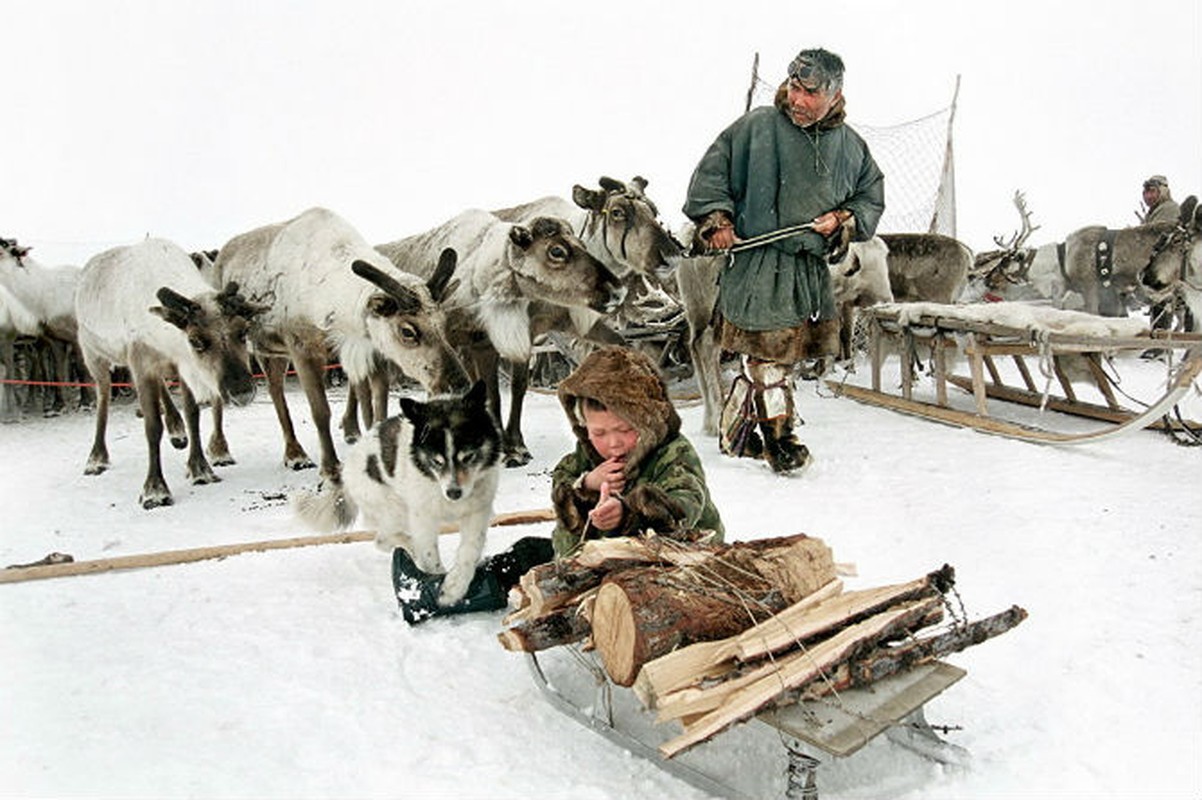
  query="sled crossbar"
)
[{"x": 983, "y": 342}]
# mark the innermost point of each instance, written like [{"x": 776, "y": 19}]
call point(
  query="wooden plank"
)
[
  {"x": 167, "y": 557},
  {"x": 843, "y": 727}
]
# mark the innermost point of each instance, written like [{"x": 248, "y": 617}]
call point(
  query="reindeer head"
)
[
  {"x": 550, "y": 263},
  {"x": 406, "y": 322},
  {"x": 1177, "y": 255},
  {"x": 627, "y": 224},
  {"x": 16, "y": 251},
  {"x": 216, "y": 328}
]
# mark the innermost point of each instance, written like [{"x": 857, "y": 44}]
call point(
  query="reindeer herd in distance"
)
[{"x": 450, "y": 306}]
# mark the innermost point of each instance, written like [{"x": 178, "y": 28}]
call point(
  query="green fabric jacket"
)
[
  {"x": 766, "y": 173},
  {"x": 674, "y": 467}
]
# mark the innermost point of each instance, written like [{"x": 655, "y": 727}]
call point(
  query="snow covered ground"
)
[{"x": 290, "y": 673}]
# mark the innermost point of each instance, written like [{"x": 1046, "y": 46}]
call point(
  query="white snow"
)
[{"x": 291, "y": 674}]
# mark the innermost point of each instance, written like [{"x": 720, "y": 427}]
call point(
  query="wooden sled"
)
[
  {"x": 778, "y": 752},
  {"x": 989, "y": 332}
]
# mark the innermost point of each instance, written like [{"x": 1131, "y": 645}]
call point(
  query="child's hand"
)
[
  {"x": 607, "y": 514},
  {"x": 610, "y": 473}
]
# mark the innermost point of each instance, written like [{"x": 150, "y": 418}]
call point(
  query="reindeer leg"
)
[
  {"x": 149, "y": 388},
  {"x": 309, "y": 370},
  {"x": 379, "y": 397},
  {"x": 219, "y": 448},
  {"x": 175, "y": 424},
  {"x": 295, "y": 456},
  {"x": 199, "y": 471},
  {"x": 98, "y": 459},
  {"x": 516, "y": 452},
  {"x": 350, "y": 416}
]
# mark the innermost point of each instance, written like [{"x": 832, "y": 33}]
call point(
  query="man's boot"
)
[
  {"x": 417, "y": 592},
  {"x": 774, "y": 405}
]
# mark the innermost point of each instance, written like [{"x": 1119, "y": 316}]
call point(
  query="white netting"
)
[{"x": 916, "y": 157}]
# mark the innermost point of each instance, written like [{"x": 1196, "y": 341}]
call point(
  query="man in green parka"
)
[{"x": 777, "y": 167}]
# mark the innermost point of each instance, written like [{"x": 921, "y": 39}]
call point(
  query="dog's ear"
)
[
  {"x": 477, "y": 396},
  {"x": 414, "y": 411}
]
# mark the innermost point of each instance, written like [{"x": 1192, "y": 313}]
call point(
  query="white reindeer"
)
[
  {"x": 37, "y": 301},
  {"x": 331, "y": 295},
  {"x": 145, "y": 307},
  {"x": 505, "y": 268}
]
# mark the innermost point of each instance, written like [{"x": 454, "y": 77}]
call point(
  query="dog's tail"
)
[{"x": 329, "y": 508}]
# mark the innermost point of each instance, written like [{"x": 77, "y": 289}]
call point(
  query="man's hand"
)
[
  {"x": 722, "y": 239},
  {"x": 829, "y": 222}
]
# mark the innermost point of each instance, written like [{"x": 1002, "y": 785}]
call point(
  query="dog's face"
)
[{"x": 455, "y": 439}]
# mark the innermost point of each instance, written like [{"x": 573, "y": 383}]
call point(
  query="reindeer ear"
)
[
  {"x": 639, "y": 183},
  {"x": 176, "y": 309},
  {"x": 612, "y": 185},
  {"x": 521, "y": 236},
  {"x": 440, "y": 284},
  {"x": 477, "y": 396},
  {"x": 1188, "y": 205},
  {"x": 587, "y": 198}
]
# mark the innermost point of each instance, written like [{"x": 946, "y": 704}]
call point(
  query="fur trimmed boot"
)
[
  {"x": 417, "y": 591},
  {"x": 782, "y": 449}
]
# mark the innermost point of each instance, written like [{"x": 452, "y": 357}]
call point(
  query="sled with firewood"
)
[
  {"x": 1050, "y": 367},
  {"x": 694, "y": 654}
]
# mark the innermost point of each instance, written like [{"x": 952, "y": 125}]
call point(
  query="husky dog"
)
[{"x": 435, "y": 462}]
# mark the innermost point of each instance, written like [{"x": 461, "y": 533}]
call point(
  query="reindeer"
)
[
  {"x": 331, "y": 295},
  {"x": 38, "y": 301},
  {"x": 1103, "y": 265},
  {"x": 1173, "y": 273},
  {"x": 1017, "y": 272},
  {"x": 144, "y": 307},
  {"x": 926, "y": 267},
  {"x": 506, "y": 268},
  {"x": 620, "y": 227}
]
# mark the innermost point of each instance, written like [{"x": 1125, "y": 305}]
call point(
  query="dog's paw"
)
[{"x": 454, "y": 587}]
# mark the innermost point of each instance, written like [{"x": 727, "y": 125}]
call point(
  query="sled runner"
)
[
  {"x": 1057, "y": 341},
  {"x": 778, "y": 753}
]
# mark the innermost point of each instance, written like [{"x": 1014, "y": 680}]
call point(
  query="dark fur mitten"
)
[
  {"x": 572, "y": 506},
  {"x": 649, "y": 506}
]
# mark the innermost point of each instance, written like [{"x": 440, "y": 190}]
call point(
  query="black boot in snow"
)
[
  {"x": 417, "y": 591},
  {"x": 782, "y": 450}
]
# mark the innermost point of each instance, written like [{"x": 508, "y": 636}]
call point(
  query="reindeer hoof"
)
[
  {"x": 297, "y": 464},
  {"x": 179, "y": 442},
  {"x": 156, "y": 501},
  {"x": 518, "y": 457},
  {"x": 222, "y": 460}
]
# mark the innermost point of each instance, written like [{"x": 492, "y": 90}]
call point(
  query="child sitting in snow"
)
[{"x": 631, "y": 470}]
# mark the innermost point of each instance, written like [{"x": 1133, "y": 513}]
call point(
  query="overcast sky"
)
[{"x": 198, "y": 121}]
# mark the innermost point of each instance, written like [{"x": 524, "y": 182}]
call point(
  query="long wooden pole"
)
[{"x": 163, "y": 558}]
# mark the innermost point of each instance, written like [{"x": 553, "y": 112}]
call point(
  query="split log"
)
[
  {"x": 822, "y": 612},
  {"x": 800, "y": 668},
  {"x": 888, "y": 660},
  {"x": 641, "y": 614},
  {"x": 561, "y": 626}
]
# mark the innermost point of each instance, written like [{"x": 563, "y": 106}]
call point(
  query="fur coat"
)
[
  {"x": 765, "y": 173},
  {"x": 665, "y": 482}
]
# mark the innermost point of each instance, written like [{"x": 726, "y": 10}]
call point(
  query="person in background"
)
[
  {"x": 1158, "y": 204},
  {"x": 632, "y": 469},
  {"x": 779, "y": 166}
]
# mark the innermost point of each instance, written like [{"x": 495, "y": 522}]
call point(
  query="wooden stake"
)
[{"x": 19, "y": 574}]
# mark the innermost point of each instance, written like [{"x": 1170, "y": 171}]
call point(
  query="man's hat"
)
[
  {"x": 1156, "y": 180},
  {"x": 817, "y": 68}
]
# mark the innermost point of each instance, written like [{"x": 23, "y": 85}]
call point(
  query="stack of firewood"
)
[{"x": 709, "y": 635}]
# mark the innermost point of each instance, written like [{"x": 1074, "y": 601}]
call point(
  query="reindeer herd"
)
[{"x": 447, "y": 307}]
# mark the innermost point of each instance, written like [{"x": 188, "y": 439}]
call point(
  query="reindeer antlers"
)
[{"x": 1020, "y": 237}]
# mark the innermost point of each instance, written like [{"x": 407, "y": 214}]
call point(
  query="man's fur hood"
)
[{"x": 629, "y": 385}]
